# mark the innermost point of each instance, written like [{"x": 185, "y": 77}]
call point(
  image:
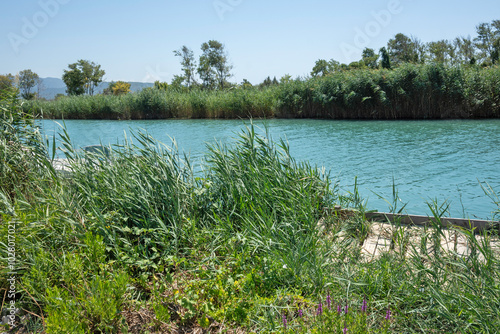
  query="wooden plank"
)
[{"x": 477, "y": 225}]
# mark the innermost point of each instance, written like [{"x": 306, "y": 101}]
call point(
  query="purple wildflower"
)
[
  {"x": 364, "y": 306},
  {"x": 346, "y": 308},
  {"x": 320, "y": 308},
  {"x": 388, "y": 314},
  {"x": 339, "y": 309},
  {"x": 345, "y": 329},
  {"x": 300, "y": 313},
  {"x": 284, "y": 321},
  {"x": 329, "y": 302}
]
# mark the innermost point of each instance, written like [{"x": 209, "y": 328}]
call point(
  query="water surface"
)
[{"x": 426, "y": 160}]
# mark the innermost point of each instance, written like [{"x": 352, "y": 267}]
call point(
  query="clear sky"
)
[{"x": 133, "y": 40}]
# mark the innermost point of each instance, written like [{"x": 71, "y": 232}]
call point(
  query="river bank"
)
[
  {"x": 407, "y": 92},
  {"x": 135, "y": 241}
]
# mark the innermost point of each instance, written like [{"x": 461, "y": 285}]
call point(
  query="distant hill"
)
[{"x": 53, "y": 86}]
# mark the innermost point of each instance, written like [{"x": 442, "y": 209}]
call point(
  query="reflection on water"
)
[{"x": 426, "y": 160}]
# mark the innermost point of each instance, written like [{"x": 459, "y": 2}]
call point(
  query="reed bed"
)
[
  {"x": 431, "y": 91},
  {"x": 134, "y": 241}
]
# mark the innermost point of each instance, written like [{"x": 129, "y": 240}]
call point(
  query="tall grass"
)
[
  {"x": 159, "y": 104},
  {"x": 410, "y": 91},
  {"x": 134, "y": 241}
]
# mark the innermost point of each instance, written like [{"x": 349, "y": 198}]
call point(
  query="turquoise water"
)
[{"x": 426, "y": 160}]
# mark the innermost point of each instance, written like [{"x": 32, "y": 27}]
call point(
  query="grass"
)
[
  {"x": 410, "y": 91},
  {"x": 135, "y": 242}
]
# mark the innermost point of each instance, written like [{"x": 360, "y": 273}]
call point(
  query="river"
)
[{"x": 426, "y": 160}]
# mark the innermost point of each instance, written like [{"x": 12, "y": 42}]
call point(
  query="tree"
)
[
  {"x": 321, "y": 68},
  {"x": 465, "y": 51},
  {"x": 403, "y": 49},
  {"x": 484, "y": 41},
  {"x": 117, "y": 88},
  {"x": 82, "y": 77},
  {"x": 188, "y": 64},
  {"x": 441, "y": 51},
  {"x": 385, "y": 61},
  {"x": 356, "y": 65},
  {"x": 245, "y": 84},
  {"x": 177, "y": 81},
  {"x": 369, "y": 57},
  {"x": 214, "y": 68},
  {"x": 27, "y": 80},
  {"x": 6, "y": 81}
]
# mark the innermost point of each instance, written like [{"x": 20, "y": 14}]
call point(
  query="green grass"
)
[
  {"x": 410, "y": 91},
  {"x": 136, "y": 242}
]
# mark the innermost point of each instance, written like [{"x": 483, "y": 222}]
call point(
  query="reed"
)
[
  {"x": 245, "y": 245},
  {"x": 431, "y": 91}
]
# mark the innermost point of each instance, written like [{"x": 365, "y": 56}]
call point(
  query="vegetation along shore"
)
[
  {"x": 134, "y": 241},
  {"x": 410, "y": 91},
  {"x": 406, "y": 79}
]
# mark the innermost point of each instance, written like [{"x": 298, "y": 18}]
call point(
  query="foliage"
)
[
  {"x": 22, "y": 151},
  {"x": 6, "y": 82},
  {"x": 402, "y": 49},
  {"x": 82, "y": 77},
  {"x": 370, "y": 58},
  {"x": 188, "y": 64},
  {"x": 214, "y": 68},
  {"x": 244, "y": 245},
  {"x": 117, "y": 88},
  {"x": 27, "y": 80}
]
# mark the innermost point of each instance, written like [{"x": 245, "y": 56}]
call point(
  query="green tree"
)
[
  {"x": 117, "y": 88},
  {"x": 176, "y": 82},
  {"x": 321, "y": 68},
  {"x": 245, "y": 84},
  {"x": 369, "y": 57},
  {"x": 356, "y": 65},
  {"x": 188, "y": 64},
  {"x": 485, "y": 41},
  {"x": 82, "y": 77},
  {"x": 385, "y": 60},
  {"x": 27, "y": 80},
  {"x": 441, "y": 51},
  {"x": 214, "y": 68},
  {"x": 403, "y": 49},
  {"x": 465, "y": 50},
  {"x": 6, "y": 81}
]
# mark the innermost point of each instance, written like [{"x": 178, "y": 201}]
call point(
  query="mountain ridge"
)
[{"x": 52, "y": 86}]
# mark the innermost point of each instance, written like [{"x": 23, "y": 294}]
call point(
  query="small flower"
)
[
  {"x": 284, "y": 321},
  {"x": 388, "y": 314},
  {"x": 364, "y": 306},
  {"x": 346, "y": 308},
  {"x": 320, "y": 308},
  {"x": 284, "y": 266},
  {"x": 339, "y": 309},
  {"x": 329, "y": 302},
  {"x": 300, "y": 313},
  {"x": 344, "y": 330}
]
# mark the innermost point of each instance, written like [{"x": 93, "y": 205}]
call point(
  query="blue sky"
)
[{"x": 134, "y": 40}]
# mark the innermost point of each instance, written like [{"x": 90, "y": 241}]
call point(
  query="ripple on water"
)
[{"x": 426, "y": 160}]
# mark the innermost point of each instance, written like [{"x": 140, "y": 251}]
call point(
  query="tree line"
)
[
  {"x": 212, "y": 69},
  {"x": 483, "y": 50}
]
